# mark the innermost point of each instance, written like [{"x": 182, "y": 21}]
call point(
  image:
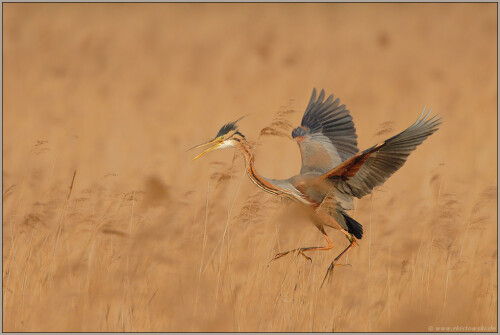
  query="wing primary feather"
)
[{"x": 372, "y": 167}]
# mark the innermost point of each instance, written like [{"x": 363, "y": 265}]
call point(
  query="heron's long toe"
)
[
  {"x": 343, "y": 265},
  {"x": 328, "y": 274},
  {"x": 307, "y": 257},
  {"x": 300, "y": 252},
  {"x": 279, "y": 255}
]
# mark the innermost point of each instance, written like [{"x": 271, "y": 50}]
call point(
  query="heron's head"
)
[{"x": 227, "y": 137}]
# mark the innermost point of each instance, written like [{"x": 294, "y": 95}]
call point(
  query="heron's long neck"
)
[{"x": 260, "y": 181}]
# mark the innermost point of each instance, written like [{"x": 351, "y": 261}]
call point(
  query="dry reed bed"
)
[{"x": 102, "y": 259}]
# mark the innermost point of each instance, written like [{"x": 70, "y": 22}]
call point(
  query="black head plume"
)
[{"x": 228, "y": 127}]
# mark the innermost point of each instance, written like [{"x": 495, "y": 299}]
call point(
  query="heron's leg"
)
[
  {"x": 352, "y": 243},
  {"x": 301, "y": 250}
]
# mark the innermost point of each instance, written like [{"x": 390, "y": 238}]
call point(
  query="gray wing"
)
[
  {"x": 327, "y": 136},
  {"x": 370, "y": 168}
]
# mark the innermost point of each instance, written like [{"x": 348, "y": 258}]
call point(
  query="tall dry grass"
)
[{"x": 108, "y": 226}]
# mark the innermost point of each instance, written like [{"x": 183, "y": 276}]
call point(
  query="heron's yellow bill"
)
[{"x": 216, "y": 143}]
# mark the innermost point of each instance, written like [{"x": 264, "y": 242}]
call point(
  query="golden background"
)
[{"x": 150, "y": 241}]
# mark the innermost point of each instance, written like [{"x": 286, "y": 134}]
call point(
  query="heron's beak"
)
[{"x": 215, "y": 144}]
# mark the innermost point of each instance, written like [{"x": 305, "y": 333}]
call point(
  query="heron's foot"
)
[
  {"x": 330, "y": 271},
  {"x": 300, "y": 251}
]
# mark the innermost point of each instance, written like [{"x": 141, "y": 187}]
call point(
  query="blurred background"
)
[{"x": 143, "y": 239}]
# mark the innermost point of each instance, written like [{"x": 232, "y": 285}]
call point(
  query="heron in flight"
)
[{"x": 333, "y": 170}]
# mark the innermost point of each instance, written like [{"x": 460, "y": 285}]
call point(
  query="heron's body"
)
[{"x": 333, "y": 170}]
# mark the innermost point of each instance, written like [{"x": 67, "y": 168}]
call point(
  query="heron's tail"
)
[{"x": 353, "y": 226}]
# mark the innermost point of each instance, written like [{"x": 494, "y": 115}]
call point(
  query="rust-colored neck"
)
[{"x": 260, "y": 181}]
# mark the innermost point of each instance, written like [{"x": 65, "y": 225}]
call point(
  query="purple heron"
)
[{"x": 333, "y": 170}]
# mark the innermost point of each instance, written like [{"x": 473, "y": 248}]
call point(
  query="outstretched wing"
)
[
  {"x": 361, "y": 173},
  {"x": 327, "y": 136}
]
